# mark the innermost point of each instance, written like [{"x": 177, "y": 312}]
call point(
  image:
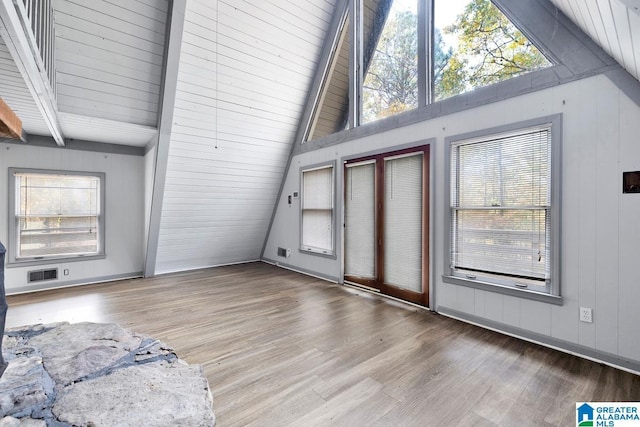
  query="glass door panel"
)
[
  {"x": 360, "y": 216},
  {"x": 386, "y": 223},
  {"x": 403, "y": 222}
]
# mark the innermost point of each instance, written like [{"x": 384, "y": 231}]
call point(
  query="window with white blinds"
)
[
  {"x": 56, "y": 215},
  {"x": 317, "y": 210},
  {"x": 501, "y": 209}
]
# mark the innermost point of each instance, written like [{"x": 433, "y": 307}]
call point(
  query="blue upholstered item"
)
[{"x": 3, "y": 307}]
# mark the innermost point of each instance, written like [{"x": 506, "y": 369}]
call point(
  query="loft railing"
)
[
  {"x": 38, "y": 15},
  {"x": 28, "y": 29}
]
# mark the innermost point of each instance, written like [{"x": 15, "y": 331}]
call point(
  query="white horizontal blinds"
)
[
  {"x": 403, "y": 222},
  {"x": 501, "y": 202},
  {"x": 57, "y": 214},
  {"x": 360, "y": 229},
  {"x": 317, "y": 209}
]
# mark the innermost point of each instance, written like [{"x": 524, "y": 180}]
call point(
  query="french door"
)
[{"x": 387, "y": 223}]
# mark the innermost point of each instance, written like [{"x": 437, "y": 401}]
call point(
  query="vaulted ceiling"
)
[
  {"x": 108, "y": 70},
  {"x": 109, "y": 57},
  {"x": 244, "y": 72},
  {"x": 612, "y": 24},
  {"x": 243, "y": 75}
]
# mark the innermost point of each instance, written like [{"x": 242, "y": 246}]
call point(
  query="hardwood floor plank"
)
[
  {"x": 280, "y": 348},
  {"x": 475, "y": 420},
  {"x": 510, "y": 383},
  {"x": 361, "y": 404}
]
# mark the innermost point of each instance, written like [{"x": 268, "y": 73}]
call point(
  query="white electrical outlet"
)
[{"x": 586, "y": 315}]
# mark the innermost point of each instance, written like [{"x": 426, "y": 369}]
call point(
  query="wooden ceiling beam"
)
[{"x": 10, "y": 123}]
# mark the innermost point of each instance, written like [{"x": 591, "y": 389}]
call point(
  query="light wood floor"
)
[{"x": 281, "y": 348}]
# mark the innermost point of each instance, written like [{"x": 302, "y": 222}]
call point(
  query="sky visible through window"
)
[
  {"x": 391, "y": 83},
  {"x": 445, "y": 14},
  {"x": 474, "y": 45}
]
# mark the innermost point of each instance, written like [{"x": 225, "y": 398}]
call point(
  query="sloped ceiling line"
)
[
  {"x": 569, "y": 44},
  {"x": 613, "y": 24},
  {"x": 173, "y": 45}
]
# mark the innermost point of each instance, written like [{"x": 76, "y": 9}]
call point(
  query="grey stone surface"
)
[
  {"x": 90, "y": 374},
  {"x": 25, "y": 422},
  {"x": 173, "y": 394},
  {"x": 75, "y": 351},
  {"x": 25, "y": 388},
  {"x": 9, "y": 422}
]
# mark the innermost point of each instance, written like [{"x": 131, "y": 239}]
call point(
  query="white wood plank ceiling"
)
[
  {"x": 611, "y": 24},
  {"x": 15, "y": 93},
  {"x": 109, "y": 57},
  {"x": 245, "y": 69}
]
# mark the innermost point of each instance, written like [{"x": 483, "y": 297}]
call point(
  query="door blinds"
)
[
  {"x": 360, "y": 236},
  {"x": 403, "y": 222}
]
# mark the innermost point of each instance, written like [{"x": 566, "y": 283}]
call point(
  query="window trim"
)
[
  {"x": 308, "y": 250},
  {"x": 554, "y": 294},
  {"x": 12, "y": 260}
]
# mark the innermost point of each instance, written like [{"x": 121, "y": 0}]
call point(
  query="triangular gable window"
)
[
  {"x": 473, "y": 44},
  {"x": 477, "y": 45},
  {"x": 333, "y": 103}
]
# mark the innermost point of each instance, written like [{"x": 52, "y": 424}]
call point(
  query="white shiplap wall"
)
[
  {"x": 611, "y": 24},
  {"x": 109, "y": 58},
  {"x": 15, "y": 93},
  {"x": 124, "y": 211},
  {"x": 600, "y": 228},
  {"x": 245, "y": 69}
]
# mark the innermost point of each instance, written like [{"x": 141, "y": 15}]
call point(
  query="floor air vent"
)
[{"x": 40, "y": 275}]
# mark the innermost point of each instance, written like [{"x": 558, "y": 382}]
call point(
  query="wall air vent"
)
[
  {"x": 41, "y": 275},
  {"x": 282, "y": 252}
]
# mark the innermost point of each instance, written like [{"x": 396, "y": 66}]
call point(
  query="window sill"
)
[
  {"x": 48, "y": 260},
  {"x": 330, "y": 255},
  {"x": 505, "y": 290}
]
